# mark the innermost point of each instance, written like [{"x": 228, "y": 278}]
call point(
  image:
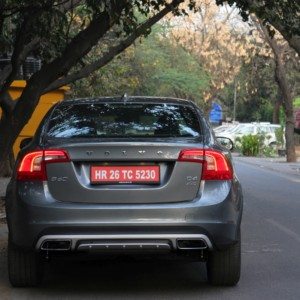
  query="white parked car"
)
[
  {"x": 224, "y": 127},
  {"x": 243, "y": 129}
]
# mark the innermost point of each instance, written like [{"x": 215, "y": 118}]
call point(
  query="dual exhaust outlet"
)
[{"x": 102, "y": 245}]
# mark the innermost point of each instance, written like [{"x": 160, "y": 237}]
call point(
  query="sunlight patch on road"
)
[
  {"x": 256, "y": 248},
  {"x": 295, "y": 180}
]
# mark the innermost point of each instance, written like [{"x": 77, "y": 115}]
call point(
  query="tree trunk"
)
[
  {"x": 7, "y": 165},
  {"x": 6, "y": 157},
  {"x": 6, "y": 143},
  {"x": 287, "y": 100},
  {"x": 12, "y": 123},
  {"x": 281, "y": 79},
  {"x": 276, "y": 111}
]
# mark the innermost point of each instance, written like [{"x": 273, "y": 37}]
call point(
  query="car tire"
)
[
  {"x": 25, "y": 268},
  {"x": 224, "y": 267}
]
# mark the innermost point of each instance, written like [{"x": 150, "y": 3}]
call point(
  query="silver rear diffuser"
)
[{"x": 124, "y": 242}]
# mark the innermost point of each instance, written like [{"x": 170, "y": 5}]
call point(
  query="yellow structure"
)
[{"x": 45, "y": 103}]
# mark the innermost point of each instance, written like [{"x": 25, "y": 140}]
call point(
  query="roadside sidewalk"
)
[
  {"x": 274, "y": 164},
  {"x": 3, "y": 185}
]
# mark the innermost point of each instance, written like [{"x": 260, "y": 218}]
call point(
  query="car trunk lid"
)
[{"x": 71, "y": 181}]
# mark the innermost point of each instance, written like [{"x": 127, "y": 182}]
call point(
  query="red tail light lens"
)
[
  {"x": 31, "y": 167},
  {"x": 33, "y": 164},
  {"x": 192, "y": 155},
  {"x": 215, "y": 164}
]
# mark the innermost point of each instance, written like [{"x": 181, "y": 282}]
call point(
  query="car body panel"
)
[
  {"x": 217, "y": 214},
  {"x": 179, "y": 180}
]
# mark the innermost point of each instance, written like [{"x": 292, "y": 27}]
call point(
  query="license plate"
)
[{"x": 125, "y": 174}]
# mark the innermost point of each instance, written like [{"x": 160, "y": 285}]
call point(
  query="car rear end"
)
[{"x": 111, "y": 176}]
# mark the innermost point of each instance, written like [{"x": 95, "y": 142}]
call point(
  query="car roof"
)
[{"x": 150, "y": 99}]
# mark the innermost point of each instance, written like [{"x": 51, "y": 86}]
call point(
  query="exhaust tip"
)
[
  {"x": 56, "y": 245},
  {"x": 195, "y": 244}
]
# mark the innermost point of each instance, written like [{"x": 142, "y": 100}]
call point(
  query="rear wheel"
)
[
  {"x": 25, "y": 269},
  {"x": 224, "y": 267}
]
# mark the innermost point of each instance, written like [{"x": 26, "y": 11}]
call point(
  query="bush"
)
[
  {"x": 268, "y": 151},
  {"x": 254, "y": 145},
  {"x": 250, "y": 145}
]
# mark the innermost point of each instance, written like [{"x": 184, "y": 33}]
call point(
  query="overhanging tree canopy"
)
[
  {"x": 62, "y": 33},
  {"x": 283, "y": 15}
]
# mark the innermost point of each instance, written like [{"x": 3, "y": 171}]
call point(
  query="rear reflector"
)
[
  {"x": 33, "y": 164},
  {"x": 216, "y": 165}
]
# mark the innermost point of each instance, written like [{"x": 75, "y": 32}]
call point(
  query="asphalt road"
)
[{"x": 270, "y": 256}]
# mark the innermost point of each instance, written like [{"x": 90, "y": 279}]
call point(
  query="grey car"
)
[{"x": 124, "y": 175}]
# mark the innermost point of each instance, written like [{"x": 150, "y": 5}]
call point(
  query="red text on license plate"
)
[{"x": 125, "y": 174}]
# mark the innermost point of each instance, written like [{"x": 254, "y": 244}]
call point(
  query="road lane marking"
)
[{"x": 288, "y": 231}]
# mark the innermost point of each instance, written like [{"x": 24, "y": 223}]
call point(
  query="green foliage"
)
[
  {"x": 297, "y": 102},
  {"x": 258, "y": 91},
  {"x": 268, "y": 151},
  {"x": 250, "y": 145},
  {"x": 55, "y": 26},
  {"x": 154, "y": 67},
  {"x": 282, "y": 117},
  {"x": 255, "y": 145}
]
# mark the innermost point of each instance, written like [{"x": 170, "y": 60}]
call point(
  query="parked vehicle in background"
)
[
  {"x": 224, "y": 127},
  {"x": 124, "y": 175},
  {"x": 266, "y": 129},
  {"x": 45, "y": 103}
]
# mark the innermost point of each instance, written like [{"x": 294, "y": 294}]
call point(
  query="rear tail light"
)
[
  {"x": 33, "y": 164},
  {"x": 216, "y": 166}
]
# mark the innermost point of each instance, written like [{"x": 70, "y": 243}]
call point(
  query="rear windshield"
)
[{"x": 110, "y": 120}]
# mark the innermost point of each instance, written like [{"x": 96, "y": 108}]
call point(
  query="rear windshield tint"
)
[{"x": 123, "y": 120}]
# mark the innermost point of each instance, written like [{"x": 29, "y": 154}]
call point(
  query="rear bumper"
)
[
  {"x": 123, "y": 242},
  {"x": 34, "y": 216}
]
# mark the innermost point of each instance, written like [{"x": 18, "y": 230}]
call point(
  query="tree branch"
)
[
  {"x": 78, "y": 47},
  {"x": 292, "y": 39},
  {"x": 6, "y": 103},
  {"x": 7, "y": 73},
  {"x": 112, "y": 51},
  {"x": 68, "y": 5}
]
